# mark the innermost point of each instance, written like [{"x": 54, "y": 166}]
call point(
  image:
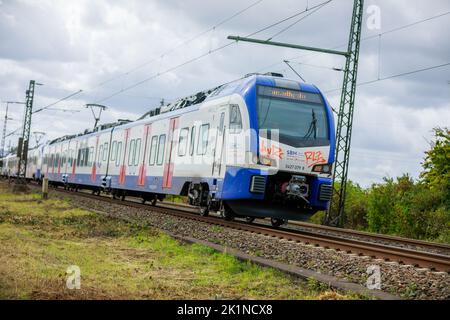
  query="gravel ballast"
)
[{"x": 402, "y": 280}]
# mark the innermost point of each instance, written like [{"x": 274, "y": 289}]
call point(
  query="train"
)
[{"x": 258, "y": 147}]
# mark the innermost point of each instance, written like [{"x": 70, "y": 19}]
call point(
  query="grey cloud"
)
[{"x": 112, "y": 37}]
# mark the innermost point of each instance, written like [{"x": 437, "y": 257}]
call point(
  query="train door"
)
[
  {"x": 168, "y": 166},
  {"x": 219, "y": 143}
]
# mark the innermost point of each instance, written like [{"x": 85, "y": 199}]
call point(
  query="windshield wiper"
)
[{"x": 312, "y": 127}]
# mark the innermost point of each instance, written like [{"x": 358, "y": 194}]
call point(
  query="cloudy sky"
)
[{"x": 129, "y": 55}]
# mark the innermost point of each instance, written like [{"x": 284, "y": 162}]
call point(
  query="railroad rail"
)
[{"x": 407, "y": 256}]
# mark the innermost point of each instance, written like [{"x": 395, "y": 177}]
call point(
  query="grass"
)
[{"x": 39, "y": 240}]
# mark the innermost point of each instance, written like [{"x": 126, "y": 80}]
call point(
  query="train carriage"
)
[{"x": 261, "y": 146}]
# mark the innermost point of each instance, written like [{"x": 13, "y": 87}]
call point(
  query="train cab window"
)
[
  {"x": 137, "y": 152},
  {"x": 131, "y": 152},
  {"x": 113, "y": 151},
  {"x": 203, "y": 139},
  {"x": 153, "y": 146},
  {"x": 118, "y": 153},
  {"x": 192, "y": 143},
  {"x": 105, "y": 151},
  {"x": 235, "y": 119},
  {"x": 161, "y": 147},
  {"x": 182, "y": 142}
]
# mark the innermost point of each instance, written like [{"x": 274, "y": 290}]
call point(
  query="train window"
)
[
  {"x": 153, "y": 146},
  {"x": 105, "y": 151},
  {"x": 235, "y": 119},
  {"x": 182, "y": 142},
  {"x": 57, "y": 160},
  {"x": 137, "y": 152},
  {"x": 203, "y": 139},
  {"x": 81, "y": 157},
  {"x": 191, "y": 146},
  {"x": 161, "y": 147},
  {"x": 91, "y": 156},
  {"x": 100, "y": 153},
  {"x": 222, "y": 123},
  {"x": 119, "y": 152},
  {"x": 113, "y": 151},
  {"x": 131, "y": 152},
  {"x": 79, "y": 161},
  {"x": 86, "y": 157}
]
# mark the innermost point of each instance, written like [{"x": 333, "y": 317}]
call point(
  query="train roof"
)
[{"x": 239, "y": 86}]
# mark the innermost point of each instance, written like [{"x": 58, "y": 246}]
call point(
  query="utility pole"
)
[
  {"x": 5, "y": 124},
  {"x": 96, "y": 117},
  {"x": 22, "y": 148},
  {"x": 336, "y": 215}
]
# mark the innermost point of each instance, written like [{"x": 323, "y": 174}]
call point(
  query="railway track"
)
[
  {"x": 418, "y": 245},
  {"x": 406, "y": 256},
  {"x": 388, "y": 240}
]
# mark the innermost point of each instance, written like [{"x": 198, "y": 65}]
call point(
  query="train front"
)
[{"x": 293, "y": 148}]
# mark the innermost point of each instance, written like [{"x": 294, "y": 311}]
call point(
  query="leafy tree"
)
[
  {"x": 402, "y": 206},
  {"x": 436, "y": 166},
  {"x": 356, "y": 206}
]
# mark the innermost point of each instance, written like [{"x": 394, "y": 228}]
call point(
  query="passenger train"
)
[{"x": 260, "y": 146}]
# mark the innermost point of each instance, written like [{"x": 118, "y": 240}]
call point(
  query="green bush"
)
[{"x": 402, "y": 206}]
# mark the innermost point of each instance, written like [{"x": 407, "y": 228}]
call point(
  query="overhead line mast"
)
[
  {"x": 22, "y": 150},
  {"x": 5, "y": 123},
  {"x": 336, "y": 214}
]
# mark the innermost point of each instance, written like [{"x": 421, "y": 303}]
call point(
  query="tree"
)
[{"x": 436, "y": 166}]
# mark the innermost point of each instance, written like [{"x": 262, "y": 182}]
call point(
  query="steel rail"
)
[
  {"x": 375, "y": 236},
  {"x": 401, "y": 255}
]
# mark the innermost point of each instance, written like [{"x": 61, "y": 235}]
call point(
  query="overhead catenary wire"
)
[
  {"x": 317, "y": 8},
  {"x": 395, "y": 76},
  {"x": 395, "y": 29},
  {"x": 157, "y": 58},
  {"x": 287, "y": 19},
  {"x": 58, "y": 101},
  {"x": 201, "y": 56},
  {"x": 181, "y": 44},
  {"x": 228, "y": 44}
]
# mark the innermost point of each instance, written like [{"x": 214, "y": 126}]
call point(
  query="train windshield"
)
[{"x": 299, "y": 118}]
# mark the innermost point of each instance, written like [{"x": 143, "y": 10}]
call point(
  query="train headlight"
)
[
  {"x": 267, "y": 161},
  {"x": 322, "y": 168}
]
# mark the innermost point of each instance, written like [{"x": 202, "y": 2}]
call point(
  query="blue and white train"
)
[{"x": 261, "y": 146}]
